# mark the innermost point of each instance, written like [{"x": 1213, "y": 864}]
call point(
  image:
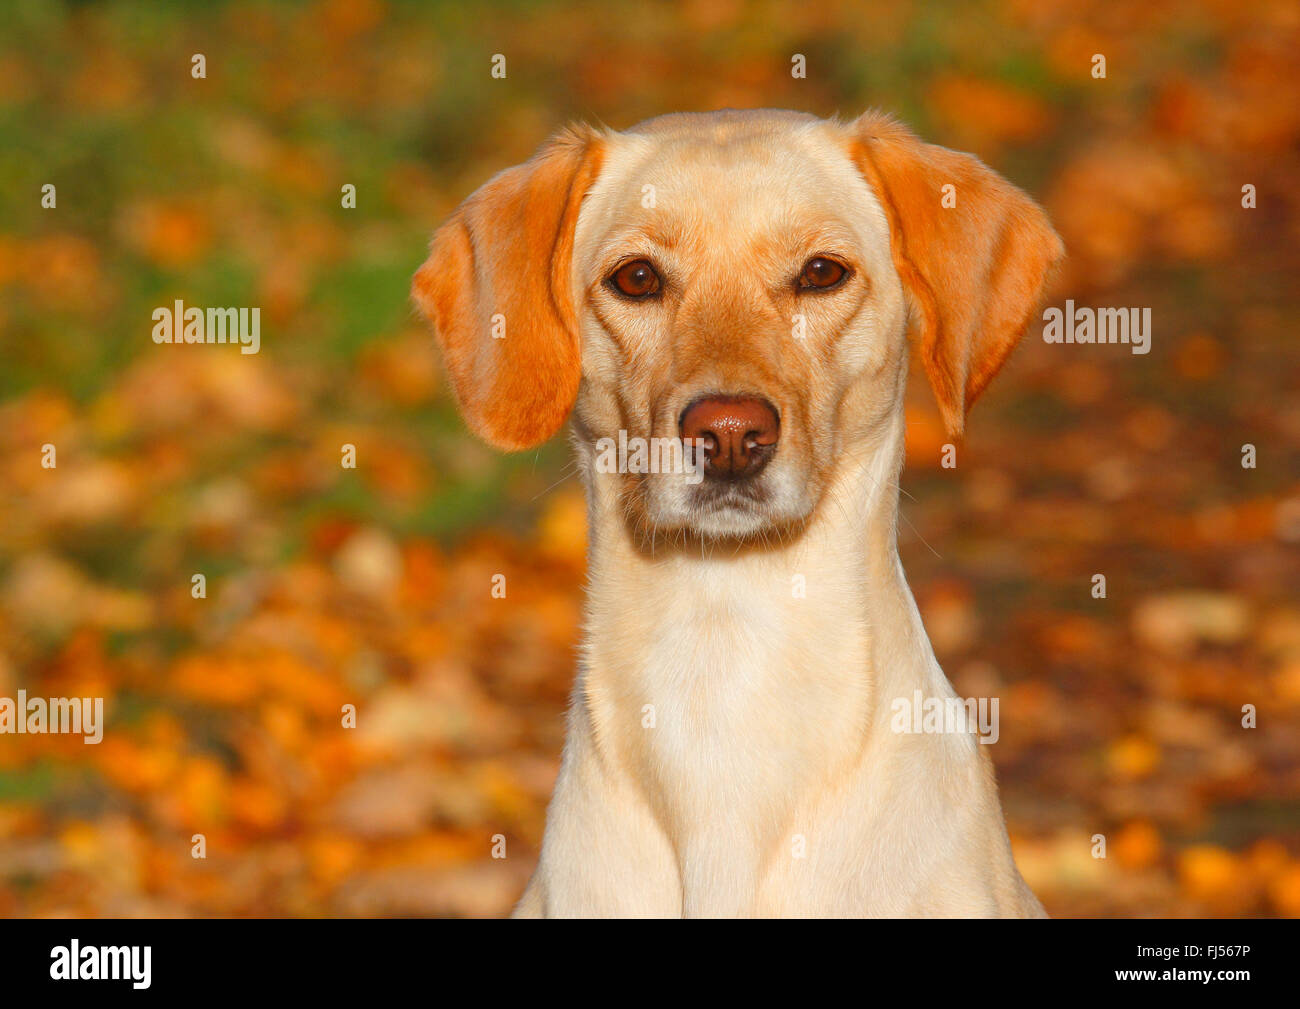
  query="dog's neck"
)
[
  {"x": 731, "y": 691},
  {"x": 825, "y": 613}
]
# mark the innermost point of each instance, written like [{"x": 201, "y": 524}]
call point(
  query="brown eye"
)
[
  {"x": 636, "y": 279},
  {"x": 822, "y": 273}
]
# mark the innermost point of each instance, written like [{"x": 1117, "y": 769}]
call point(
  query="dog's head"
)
[{"x": 744, "y": 281}]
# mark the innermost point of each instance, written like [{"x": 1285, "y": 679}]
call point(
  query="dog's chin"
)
[{"x": 730, "y": 521}]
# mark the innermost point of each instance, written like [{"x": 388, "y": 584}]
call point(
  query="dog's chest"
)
[{"x": 734, "y": 696}]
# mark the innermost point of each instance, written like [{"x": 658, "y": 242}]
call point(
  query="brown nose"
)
[{"x": 739, "y": 434}]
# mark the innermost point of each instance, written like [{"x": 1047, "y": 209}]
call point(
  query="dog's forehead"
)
[
  {"x": 727, "y": 134},
  {"x": 734, "y": 173}
]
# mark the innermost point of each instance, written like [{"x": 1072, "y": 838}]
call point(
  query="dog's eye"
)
[
  {"x": 821, "y": 273},
  {"x": 636, "y": 279}
]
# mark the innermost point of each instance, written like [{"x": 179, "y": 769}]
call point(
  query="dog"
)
[{"x": 746, "y": 283}]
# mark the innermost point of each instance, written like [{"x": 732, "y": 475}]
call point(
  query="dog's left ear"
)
[
  {"x": 497, "y": 288},
  {"x": 975, "y": 257}
]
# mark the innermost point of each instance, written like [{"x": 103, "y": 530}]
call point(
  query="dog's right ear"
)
[
  {"x": 497, "y": 289},
  {"x": 975, "y": 270}
]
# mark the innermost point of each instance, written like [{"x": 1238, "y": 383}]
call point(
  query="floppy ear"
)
[
  {"x": 975, "y": 270},
  {"x": 497, "y": 289}
]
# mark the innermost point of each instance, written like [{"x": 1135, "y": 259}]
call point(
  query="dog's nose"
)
[{"x": 739, "y": 434}]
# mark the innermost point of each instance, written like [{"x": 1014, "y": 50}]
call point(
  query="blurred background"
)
[{"x": 370, "y": 586}]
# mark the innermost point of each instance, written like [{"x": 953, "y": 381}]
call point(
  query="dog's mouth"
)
[
  {"x": 732, "y": 508},
  {"x": 760, "y": 510},
  {"x": 749, "y": 496}
]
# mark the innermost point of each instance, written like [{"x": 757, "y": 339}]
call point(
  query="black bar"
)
[{"x": 337, "y": 958}]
